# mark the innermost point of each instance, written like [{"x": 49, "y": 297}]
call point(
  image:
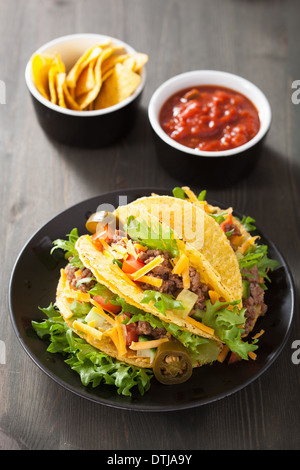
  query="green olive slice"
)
[
  {"x": 172, "y": 364},
  {"x": 98, "y": 220}
]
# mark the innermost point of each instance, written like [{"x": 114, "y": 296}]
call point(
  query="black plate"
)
[{"x": 33, "y": 283}]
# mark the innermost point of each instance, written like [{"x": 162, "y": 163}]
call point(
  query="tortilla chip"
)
[
  {"x": 87, "y": 98},
  {"x": 41, "y": 64},
  {"x": 56, "y": 67},
  {"x": 136, "y": 61},
  {"x": 86, "y": 80},
  {"x": 117, "y": 87},
  {"x": 60, "y": 84},
  {"x": 69, "y": 100},
  {"x": 90, "y": 55},
  {"x": 111, "y": 61}
]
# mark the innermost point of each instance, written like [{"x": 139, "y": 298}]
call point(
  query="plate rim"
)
[{"x": 131, "y": 406}]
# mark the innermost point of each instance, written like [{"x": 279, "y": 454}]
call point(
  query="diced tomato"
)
[
  {"x": 233, "y": 358},
  {"x": 107, "y": 305},
  {"x": 131, "y": 265},
  {"x": 131, "y": 333},
  {"x": 105, "y": 235},
  {"x": 97, "y": 243},
  {"x": 226, "y": 222}
]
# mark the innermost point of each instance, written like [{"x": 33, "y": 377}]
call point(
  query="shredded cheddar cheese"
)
[
  {"x": 98, "y": 309},
  {"x": 214, "y": 296},
  {"x": 151, "y": 280},
  {"x": 123, "y": 275},
  {"x": 137, "y": 346},
  {"x": 181, "y": 264},
  {"x": 87, "y": 329},
  {"x": 223, "y": 354},
  {"x": 148, "y": 267},
  {"x": 113, "y": 333},
  {"x": 242, "y": 249},
  {"x": 122, "y": 337},
  {"x": 186, "y": 278},
  {"x": 259, "y": 334},
  {"x": 190, "y": 194},
  {"x": 201, "y": 326},
  {"x": 252, "y": 355}
]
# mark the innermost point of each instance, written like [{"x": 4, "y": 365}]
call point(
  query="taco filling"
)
[
  {"x": 160, "y": 277},
  {"x": 254, "y": 262},
  {"x": 107, "y": 339}
]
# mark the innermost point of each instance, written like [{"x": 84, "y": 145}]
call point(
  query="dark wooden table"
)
[{"x": 39, "y": 178}]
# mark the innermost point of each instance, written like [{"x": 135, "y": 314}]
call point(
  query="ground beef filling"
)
[
  {"x": 73, "y": 279},
  {"x": 144, "y": 328},
  {"x": 254, "y": 305},
  {"x": 118, "y": 238},
  {"x": 172, "y": 283}
]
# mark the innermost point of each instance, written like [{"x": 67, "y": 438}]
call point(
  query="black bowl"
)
[
  {"x": 208, "y": 168},
  {"x": 201, "y": 170},
  {"x": 89, "y": 129}
]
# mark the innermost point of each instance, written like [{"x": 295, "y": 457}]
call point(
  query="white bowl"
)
[
  {"x": 82, "y": 128},
  {"x": 205, "y": 161}
]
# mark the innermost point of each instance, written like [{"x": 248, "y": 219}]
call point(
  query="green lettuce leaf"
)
[
  {"x": 69, "y": 247},
  {"x": 178, "y": 192},
  {"x": 248, "y": 222},
  {"x": 257, "y": 255},
  {"x": 152, "y": 235},
  {"x": 80, "y": 309},
  {"x": 93, "y": 366},
  {"x": 227, "y": 325},
  {"x": 161, "y": 301}
]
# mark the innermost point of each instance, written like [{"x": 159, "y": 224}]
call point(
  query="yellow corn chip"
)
[
  {"x": 82, "y": 62},
  {"x": 140, "y": 60},
  {"x": 60, "y": 81},
  {"x": 56, "y": 67},
  {"x": 113, "y": 60},
  {"x": 86, "y": 80},
  {"x": 41, "y": 64},
  {"x": 69, "y": 100},
  {"x": 84, "y": 100},
  {"x": 103, "y": 75},
  {"x": 117, "y": 87}
]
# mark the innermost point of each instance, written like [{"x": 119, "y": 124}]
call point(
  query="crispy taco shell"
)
[
  {"x": 217, "y": 248},
  {"x": 119, "y": 283},
  {"x": 206, "y": 245},
  {"x": 100, "y": 341}
]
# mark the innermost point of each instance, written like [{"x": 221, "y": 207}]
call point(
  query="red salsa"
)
[{"x": 210, "y": 118}]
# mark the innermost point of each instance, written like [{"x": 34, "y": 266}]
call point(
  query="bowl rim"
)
[
  {"x": 36, "y": 94},
  {"x": 163, "y": 91}
]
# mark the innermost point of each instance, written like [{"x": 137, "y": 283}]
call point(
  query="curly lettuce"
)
[
  {"x": 152, "y": 235},
  {"x": 93, "y": 366}
]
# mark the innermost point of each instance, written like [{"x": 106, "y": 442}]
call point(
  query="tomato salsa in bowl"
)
[{"x": 209, "y": 126}]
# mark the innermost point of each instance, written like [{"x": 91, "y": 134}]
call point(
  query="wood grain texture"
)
[{"x": 39, "y": 178}]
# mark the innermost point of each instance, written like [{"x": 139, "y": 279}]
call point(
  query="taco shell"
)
[
  {"x": 93, "y": 336},
  {"x": 208, "y": 246},
  {"x": 111, "y": 276}
]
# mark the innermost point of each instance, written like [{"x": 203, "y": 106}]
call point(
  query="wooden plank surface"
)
[{"x": 39, "y": 178}]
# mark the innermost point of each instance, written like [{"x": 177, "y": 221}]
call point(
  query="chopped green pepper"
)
[
  {"x": 172, "y": 364},
  {"x": 246, "y": 289}
]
